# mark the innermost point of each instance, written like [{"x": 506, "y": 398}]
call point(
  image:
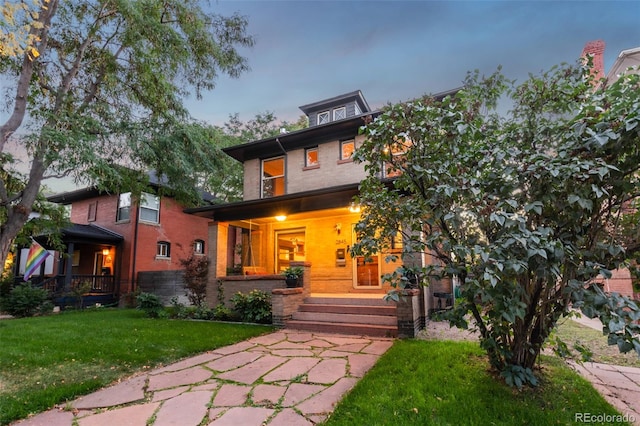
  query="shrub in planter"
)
[
  {"x": 293, "y": 275},
  {"x": 25, "y": 301},
  {"x": 254, "y": 306}
]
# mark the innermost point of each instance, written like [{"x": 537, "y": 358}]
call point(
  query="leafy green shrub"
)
[
  {"x": 222, "y": 313},
  {"x": 151, "y": 305},
  {"x": 254, "y": 306},
  {"x": 25, "y": 301}
]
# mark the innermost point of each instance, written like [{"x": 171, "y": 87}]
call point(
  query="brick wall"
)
[{"x": 164, "y": 284}]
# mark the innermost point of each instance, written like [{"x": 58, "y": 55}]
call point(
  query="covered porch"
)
[{"x": 87, "y": 272}]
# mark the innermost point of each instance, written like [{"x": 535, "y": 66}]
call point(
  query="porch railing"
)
[{"x": 96, "y": 284}]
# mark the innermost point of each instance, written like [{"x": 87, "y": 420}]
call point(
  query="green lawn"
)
[
  {"x": 421, "y": 382},
  {"x": 47, "y": 360}
]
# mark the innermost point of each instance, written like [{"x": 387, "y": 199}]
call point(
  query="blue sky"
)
[{"x": 306, "y": 51}]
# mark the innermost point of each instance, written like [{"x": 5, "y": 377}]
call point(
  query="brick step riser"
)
[
  {"x": 350, "y": 309},
  {"x": 348, "y": 301},
  {"x": 345, "y": 318},
  {"x": 342, "y": 328}
]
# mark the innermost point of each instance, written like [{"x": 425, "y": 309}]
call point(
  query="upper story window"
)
[
  {"x": 149, "y": 208},
  {"x": 124, "y": 207},
  {"x": 346, "y": 149},
  {"x": 163, "y": 249},
  {"x": 339, "y": 113},
  {"x": 357, "y": 110},
  {"x": 198, "y": 247},
  {"x": 323, "y": 117},
  {"x": 273, "y": 177},
  {"x": 311, "y": 157}
]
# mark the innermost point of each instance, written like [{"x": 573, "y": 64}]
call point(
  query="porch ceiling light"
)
[
  {"x": 105, "y": 252},
  {"x": 354, "y": 208},
  {"x": 281, "y": 218}
]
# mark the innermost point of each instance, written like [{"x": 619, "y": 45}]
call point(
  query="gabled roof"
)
[
  {"x": 626, "y": 58},
  {"x": 355, "y": 96}
]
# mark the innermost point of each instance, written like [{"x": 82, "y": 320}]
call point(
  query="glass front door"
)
[
  {"x": 290, "y": 246},
  {"x": 366, "y": 272}
]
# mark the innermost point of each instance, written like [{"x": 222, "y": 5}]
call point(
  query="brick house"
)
[
  {"x": 121, "y": 243},
  {"x": 298, "y": 209},
  {"x": 628, "y": 61}
]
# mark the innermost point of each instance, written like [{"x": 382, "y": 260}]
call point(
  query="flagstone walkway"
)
[{"x": 284, "y": 378}]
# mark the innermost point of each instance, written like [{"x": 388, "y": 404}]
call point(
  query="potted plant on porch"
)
[{"x": 293, "y": 276}]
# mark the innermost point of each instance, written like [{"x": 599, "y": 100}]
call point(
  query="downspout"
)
[{"x": 135, "y": 250}]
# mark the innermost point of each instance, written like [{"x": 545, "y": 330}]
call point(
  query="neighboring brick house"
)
[
  {"x": 628, "y": 61},
  {"x": 121, "y": 237}
]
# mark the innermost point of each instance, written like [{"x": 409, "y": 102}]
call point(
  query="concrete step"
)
[
  {"x": 346, "y": 318},
  {"x": 344, "y": 328},
  {"x": 368, "y": 301},
  {"x": 349, "y": 309}
]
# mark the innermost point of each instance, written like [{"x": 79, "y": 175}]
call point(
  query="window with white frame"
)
[
  {"x": 339, "y": 113},
  {"x": 323, "y": 117},
  {"x": 346, "y": 149},
  {"x": 149, "y": 208},
  {"x": 311, "y": 157},
  {"x": 163, "y": 249},
  {"x": 124, "y": 207},
  {"x": 273, "y": 177},
  {"x": 198, "y": 247},
  {"x": 357, "y": 110}
]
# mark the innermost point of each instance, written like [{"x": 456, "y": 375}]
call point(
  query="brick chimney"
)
[{"x": 595, "y": 49}]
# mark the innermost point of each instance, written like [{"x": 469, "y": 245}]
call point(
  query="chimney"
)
[{"x": 595, "y": 49}]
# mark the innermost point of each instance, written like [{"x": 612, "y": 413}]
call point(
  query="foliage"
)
[
  {"x": 106, "y": 91},
  {"x": 525, "y": 210},
  {"x": 77, "y": 352},
  {"x": 293, "y": 272},
  {"x": 254, "y": 306},
  {"x": 195, "y": 276},
  {"x": 26, "y": 301},
  {"x": 151, "y": 305}
]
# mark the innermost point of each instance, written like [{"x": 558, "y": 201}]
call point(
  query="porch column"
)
[
  {"x": 68, "y": 274},
  {"x": 408, "y": 311},
  {"x": 217, "y": 254},
  {"x": 286, "y": 301}
]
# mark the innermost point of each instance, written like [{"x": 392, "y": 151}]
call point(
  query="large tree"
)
[
  {"x": 525, "y": 209},
  {"x": 99, "y": 85}
]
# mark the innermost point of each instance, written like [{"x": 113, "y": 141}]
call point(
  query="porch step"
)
[{"x": 346, "y": 315}]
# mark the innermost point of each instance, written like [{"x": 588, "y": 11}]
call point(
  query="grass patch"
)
[
  {"x": 46, "y": 361},
  {"x": 571, "y": 332},
  {"x": 449, "y": 383}
]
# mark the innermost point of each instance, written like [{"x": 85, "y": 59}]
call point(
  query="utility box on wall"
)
[{"x": 341, "y": 257}]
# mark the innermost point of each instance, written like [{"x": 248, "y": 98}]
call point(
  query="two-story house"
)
[
  {"x": 115, "y": 239},
  {"x": 298, "y": 206}
]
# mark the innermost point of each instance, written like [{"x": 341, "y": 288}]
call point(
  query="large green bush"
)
[
  {"x": 26, "y": 301},
  {"x": 254, "y": 306},
  {"x": 151, "y": 305}
]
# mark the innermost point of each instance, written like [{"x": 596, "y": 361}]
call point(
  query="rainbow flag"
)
[{"x": 37, "y": 255}]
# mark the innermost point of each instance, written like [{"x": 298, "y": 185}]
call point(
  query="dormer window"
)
[
  {"x": 339, "y": 113},
  {"x": 323, "y": 117}
]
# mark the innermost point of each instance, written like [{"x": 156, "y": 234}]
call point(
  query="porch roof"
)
[
  {"x": 90, "y": 233},
  {"x": 301, "y": 202}
]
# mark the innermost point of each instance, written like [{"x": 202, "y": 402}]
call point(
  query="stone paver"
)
[
  {"x": 267, "y": 394},
  {"x": 177, "y": 378},
  {"x": 292, "y": 369},
  {"x": 245, "y": 416},
  {"x": 134, "y": 415},
  {"x": 187, "y": 409},
  {"x": 328, "y": 371},
  {"x": 235, "y": 360},
  {"x": 230, "y": 395},
  {"x": 288, "y": 417},
  {"x": 253, "y": 371},
  {"x": 325, "y": 401},
  {"x": 122, "y": 393}
]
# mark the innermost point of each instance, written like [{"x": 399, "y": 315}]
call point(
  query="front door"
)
[{"x": 366, "y": 271}]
